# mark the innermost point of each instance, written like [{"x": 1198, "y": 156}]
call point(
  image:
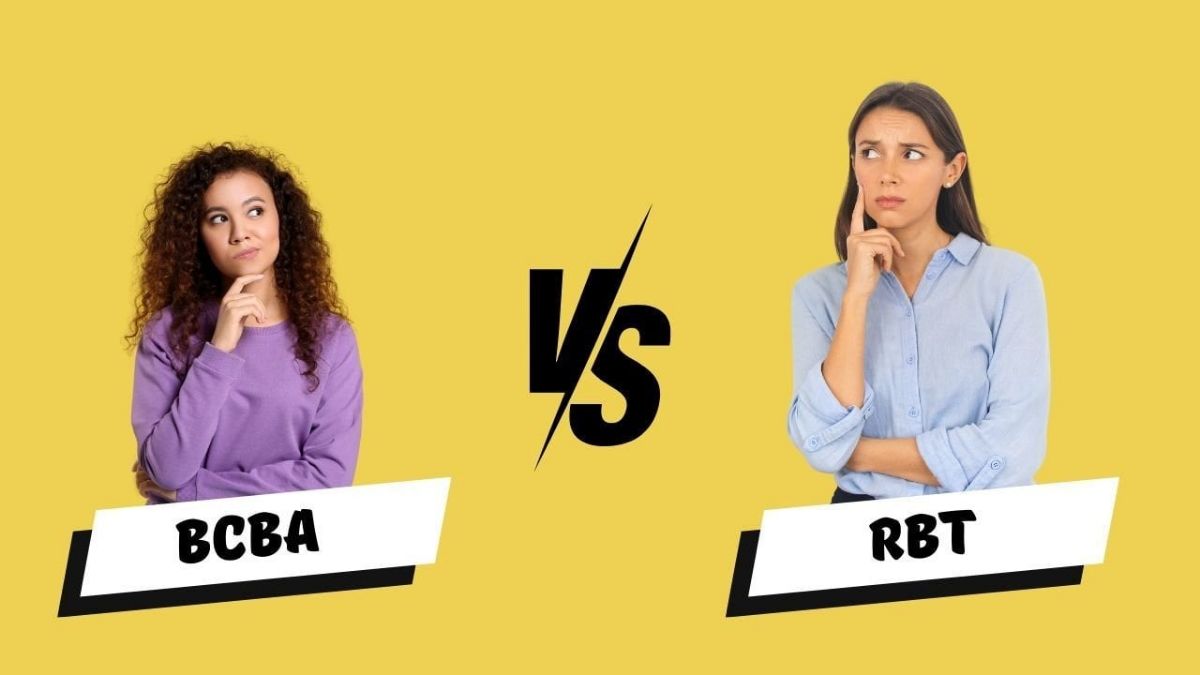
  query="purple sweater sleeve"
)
[
  {"x": 329, "y": 454},
  {"x": 174, "y": 419}
]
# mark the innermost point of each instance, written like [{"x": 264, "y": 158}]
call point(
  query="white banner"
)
[
  {"x": 933, "y": 537},
  {"x": 288, "y": 534}
]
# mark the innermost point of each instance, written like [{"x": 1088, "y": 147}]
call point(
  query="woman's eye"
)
[
  {"x": 867, "y": 153},
  {"x": 216, "y": 219},
  {"x": 918, "y": 153},
  {"x": 256, "y": 211}
]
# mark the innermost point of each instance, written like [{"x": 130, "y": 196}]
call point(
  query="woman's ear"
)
[{"x": 955, "y": 169}]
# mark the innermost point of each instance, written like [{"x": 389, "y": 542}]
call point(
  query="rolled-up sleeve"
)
[
  {"x": 1007, "y": 446},
  {"x": 825, "y": 431}
]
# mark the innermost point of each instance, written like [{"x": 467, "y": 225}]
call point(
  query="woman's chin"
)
[
  {"x": 234, "y": 271},
  {"x": 892, "y": 222}
]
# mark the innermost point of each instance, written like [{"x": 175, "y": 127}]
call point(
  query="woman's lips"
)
[
  {"x": 246, "y": 255},
  {"x": 889, "y": 202}
]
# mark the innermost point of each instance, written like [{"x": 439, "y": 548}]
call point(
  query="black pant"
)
[{"x": 840, "y": 496}]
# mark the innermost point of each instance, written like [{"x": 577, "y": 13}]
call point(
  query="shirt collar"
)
[{"x": 963, "y": 247}]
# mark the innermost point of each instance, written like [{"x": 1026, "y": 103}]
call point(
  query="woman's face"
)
[
  {"x": 240, "y": 226},
  {"x": 900, "y": 169}
]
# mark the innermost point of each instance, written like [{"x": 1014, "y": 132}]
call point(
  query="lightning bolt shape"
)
[{"x": 566, "y": 399}]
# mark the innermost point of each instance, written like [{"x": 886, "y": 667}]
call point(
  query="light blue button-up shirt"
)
[{"x": 963, "y": 367}]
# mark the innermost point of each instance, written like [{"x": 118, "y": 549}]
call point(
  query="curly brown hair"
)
[{"x": 177, "y": 272}]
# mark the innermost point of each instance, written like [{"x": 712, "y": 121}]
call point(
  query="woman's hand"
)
[
  {"x": 147, "y": 487},
  {"x": 236, "y": 306},
  {"x": 867, "y": 252}
]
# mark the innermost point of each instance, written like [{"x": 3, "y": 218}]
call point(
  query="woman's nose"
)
[
  {"x": 237, "y": 233},
  {"x": 890, "y": 174}
]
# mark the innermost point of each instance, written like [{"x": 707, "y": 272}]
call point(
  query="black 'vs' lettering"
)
[{"x": 554, "y": 370}]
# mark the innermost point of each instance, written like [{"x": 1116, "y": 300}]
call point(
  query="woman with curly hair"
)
[{"x": 247, "y": 377}]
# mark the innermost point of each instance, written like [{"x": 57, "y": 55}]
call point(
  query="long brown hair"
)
[
  {"x": 956, "y": 205},
  {"x": 178, "y": 274}
]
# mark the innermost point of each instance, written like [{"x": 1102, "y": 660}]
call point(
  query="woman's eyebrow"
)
[
  {"x": 907, "y": 145},
  {"x": 222, "y": 208}
]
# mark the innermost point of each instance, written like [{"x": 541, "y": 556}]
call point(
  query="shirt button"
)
[
  {"x": 912, "y": 412},
  {"x": 910, "y": 360},
  {"x": 929, "y": 276},
  {"x": 812, "y": 442},
  {"x": 995, "y": 465},
  {"x": 907, "y": 312}
]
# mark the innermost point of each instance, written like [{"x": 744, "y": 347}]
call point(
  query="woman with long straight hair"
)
[{"x": 921, "y": 361}]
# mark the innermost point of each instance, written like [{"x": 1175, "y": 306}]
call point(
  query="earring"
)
[{"x": 949, "y": 184}]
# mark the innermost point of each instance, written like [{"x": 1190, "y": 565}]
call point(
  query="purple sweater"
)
[{"x": 244, "y": 422}]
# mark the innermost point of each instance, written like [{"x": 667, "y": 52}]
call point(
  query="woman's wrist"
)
[
  {"x": 854, "y": 302},
  {"x": 223, "y": 345}
]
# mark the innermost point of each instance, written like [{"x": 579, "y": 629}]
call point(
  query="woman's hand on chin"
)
[{"x": 868, "y": 252}]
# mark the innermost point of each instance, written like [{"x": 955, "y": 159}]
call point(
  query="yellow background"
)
[{"x": 451, "y": 150}]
